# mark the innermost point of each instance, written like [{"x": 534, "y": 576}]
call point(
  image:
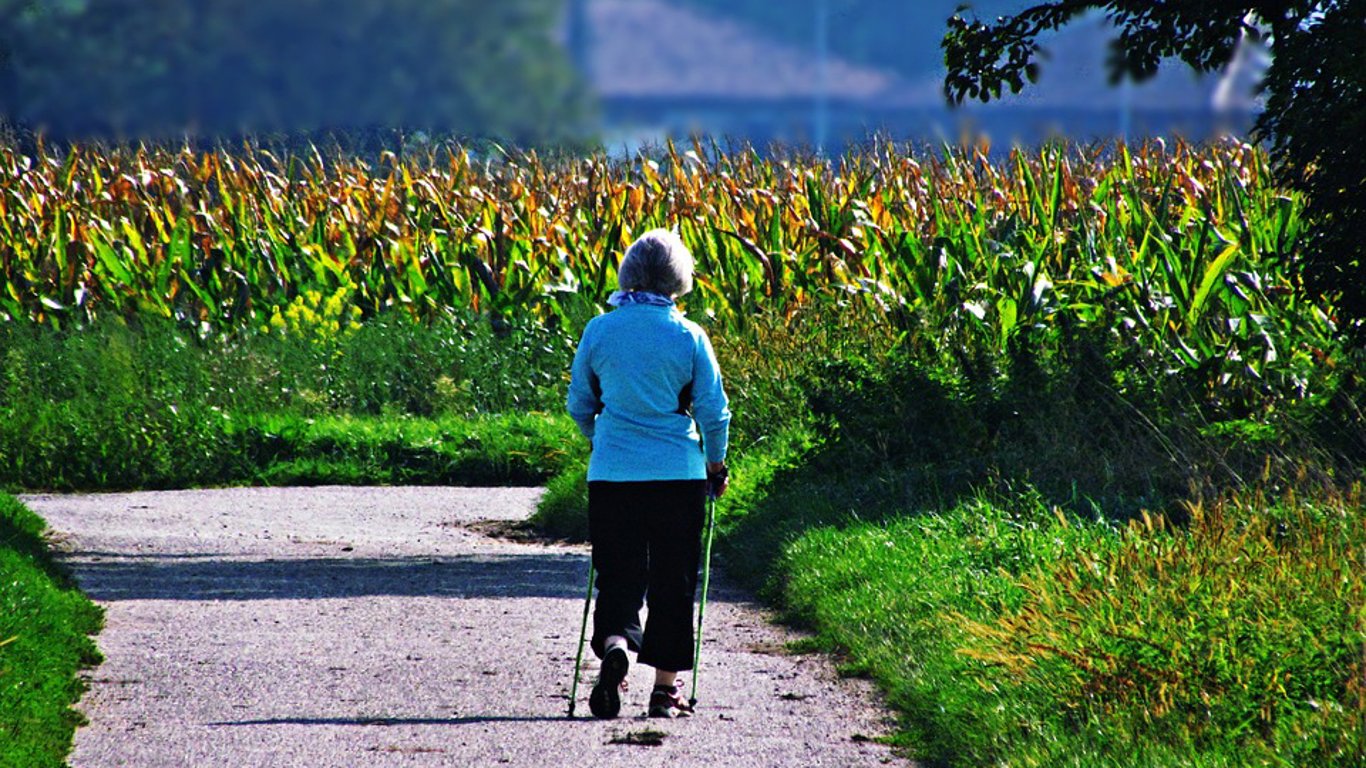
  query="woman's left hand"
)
[{"x": 718, "y": 477}]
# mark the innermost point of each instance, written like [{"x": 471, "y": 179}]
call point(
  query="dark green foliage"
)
[
  {"x": 391, "y": 365},
  {"x": 113, "y": 407},
  {"x": 1315, "y": 111},
  {"x": 495, "y": 450},
  {"x": 1073, "y": 415},
  {"x": 1315, "y": 118},
  {"x": 218, "y": 68},
  {"x": 45, "y": 623}
]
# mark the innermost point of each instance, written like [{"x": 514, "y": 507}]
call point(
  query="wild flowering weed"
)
[{"x": 312, "y": 317}]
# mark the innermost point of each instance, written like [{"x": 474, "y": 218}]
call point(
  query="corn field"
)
[{"x": 1182, "y": 249}]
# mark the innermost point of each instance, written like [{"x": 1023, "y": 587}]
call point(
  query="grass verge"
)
[
  {"x": 117, "y": 406},
  {"x": 1007, "y": 633},
  {"x": 170, "y": 450},
  {"x": 45, "y": 628},
  {"x": 511, "y": 449}
]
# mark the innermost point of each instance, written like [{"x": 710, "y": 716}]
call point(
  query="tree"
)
[
  {"x": 1315, "y": 111},
  {"x": 156, "y": 68}
]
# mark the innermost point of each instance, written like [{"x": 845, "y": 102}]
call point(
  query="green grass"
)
[
  {"x": 512, "y": 449},
  {"x": 116, "y": 407},
  {"x": 45, "y": 624},
  {"x": 1007, "y": 633},
  {"x": 562, "y": 512},
  {"x": 289, "y": 449}
]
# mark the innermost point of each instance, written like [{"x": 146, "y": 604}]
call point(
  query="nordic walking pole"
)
[
  {"x": 583, "y": 630},
  {"x": 706, "y": 581}
]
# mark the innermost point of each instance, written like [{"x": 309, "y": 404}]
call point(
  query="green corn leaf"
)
[
  {"x": 1008, "y": 311},
  {"x": 1214, "y": 275},
  {"x": 113, "y": 263}
]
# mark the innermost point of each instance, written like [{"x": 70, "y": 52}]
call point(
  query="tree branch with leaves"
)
[{"x": 1315, "y": 92}]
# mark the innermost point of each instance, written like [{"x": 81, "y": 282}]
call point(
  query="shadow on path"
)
[
  {"x": 195, "y": 577},
  {"x": 108, "y": 577},
  {"x": 400, "y": 721}
]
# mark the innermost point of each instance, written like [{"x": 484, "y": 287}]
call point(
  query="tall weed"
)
[
  {"x": 1009, "y": 633},
  {"x": 1241, "y": 633}
]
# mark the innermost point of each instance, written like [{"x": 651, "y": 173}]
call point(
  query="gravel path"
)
[{"x": 345, "y": 627}]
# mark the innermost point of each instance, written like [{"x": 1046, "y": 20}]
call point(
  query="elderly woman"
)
[{"x": 646, "y": 392}]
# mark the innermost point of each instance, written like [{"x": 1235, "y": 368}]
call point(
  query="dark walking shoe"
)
[
  {"x": 668, "y": 701},
  {"x": 605, "y": 700}
]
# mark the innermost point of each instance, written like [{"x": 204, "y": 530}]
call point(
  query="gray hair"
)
[{"x": 657, "y": 262}]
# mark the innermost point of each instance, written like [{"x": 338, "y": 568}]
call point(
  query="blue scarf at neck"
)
[{"x": 622, "y": 298}]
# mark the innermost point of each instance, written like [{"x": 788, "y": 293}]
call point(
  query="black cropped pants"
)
[{"x": 646, "y": 544}]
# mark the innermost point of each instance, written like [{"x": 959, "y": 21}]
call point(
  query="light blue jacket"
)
[{"x": 637, "y": 371}]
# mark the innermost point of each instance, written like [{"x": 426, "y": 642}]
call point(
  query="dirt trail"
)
[{"x": 347, "y": 627}]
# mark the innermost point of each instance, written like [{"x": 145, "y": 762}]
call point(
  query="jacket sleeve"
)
[
  {"x": 584, "y": 401},
  {"x": 711, "y": 408}
]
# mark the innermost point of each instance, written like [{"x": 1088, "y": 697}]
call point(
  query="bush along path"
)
[{"x": 380, "y": 626}]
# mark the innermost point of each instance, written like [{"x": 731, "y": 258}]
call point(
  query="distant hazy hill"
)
[
  {"x": 900, "y": 35},
  {"x": 748, "y": 69},
  {"x": 903, "y": 37}
]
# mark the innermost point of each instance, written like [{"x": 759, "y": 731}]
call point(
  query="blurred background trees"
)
[{"x": 156, "y": 68}]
